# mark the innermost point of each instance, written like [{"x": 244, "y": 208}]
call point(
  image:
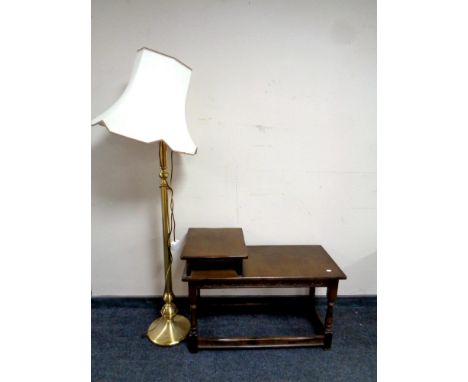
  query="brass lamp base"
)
[
  {"x": 171, "y": 328},
  {"x": 164, "y": 332}
]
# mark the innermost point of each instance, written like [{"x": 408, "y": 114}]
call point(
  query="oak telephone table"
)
[{"x": 283, "y": 266}]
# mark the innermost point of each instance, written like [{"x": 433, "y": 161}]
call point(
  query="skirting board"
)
[{"x": 151, "y": 302}]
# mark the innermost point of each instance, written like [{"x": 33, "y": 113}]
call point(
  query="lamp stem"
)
[
  {"x": 163, "y": 174},
  {"x": 170, "y": 328}
]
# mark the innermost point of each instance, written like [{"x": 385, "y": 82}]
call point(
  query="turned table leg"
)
[
  {"x": 192, "y": 340},
  {"x": 312, "y": 295},
  {"x": 314, "y": 316},
  {"x": 332, "y": 290}
]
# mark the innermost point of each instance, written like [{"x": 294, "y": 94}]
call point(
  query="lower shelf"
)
[{"x": 259, "y": 342}]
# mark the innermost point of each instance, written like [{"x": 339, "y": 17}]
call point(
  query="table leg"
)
[
  {"x": 192, "y": 340},
  {"x": 316, "y": 321},
  {"x": 332, "y": 290},
  {"x": 312, "y": 295}
]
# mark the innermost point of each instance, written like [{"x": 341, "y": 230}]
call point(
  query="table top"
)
[
  {"x": 278, "y": 263},
  {"x": 214, "y": 243}
]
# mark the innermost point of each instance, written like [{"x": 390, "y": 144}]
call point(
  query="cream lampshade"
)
[{"x": 152, "y": 107}]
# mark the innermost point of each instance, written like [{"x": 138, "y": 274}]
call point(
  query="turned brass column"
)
[{"x": 170, "y": 328}]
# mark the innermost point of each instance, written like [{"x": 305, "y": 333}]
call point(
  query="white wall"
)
[{"x": 282, "y": 106}]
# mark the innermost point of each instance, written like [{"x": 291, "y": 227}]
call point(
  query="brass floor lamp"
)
[{"x": 152, "y": 109}]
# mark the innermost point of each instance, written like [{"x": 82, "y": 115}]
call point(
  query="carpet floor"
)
[{"x": 121, "y": 352}]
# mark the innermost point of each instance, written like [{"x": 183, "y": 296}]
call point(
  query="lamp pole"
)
[{"x": 171, "y": 328}]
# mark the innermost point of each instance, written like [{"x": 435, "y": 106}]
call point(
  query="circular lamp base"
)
[{"x": 168, "y": 332}]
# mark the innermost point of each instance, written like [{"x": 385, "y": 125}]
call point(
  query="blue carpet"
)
[{"x": 120, "y": 352}]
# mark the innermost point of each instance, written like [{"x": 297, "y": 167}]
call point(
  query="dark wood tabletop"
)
[
  {"x": 278, "y": 263},
  {"x": 214, "y": 243}
]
